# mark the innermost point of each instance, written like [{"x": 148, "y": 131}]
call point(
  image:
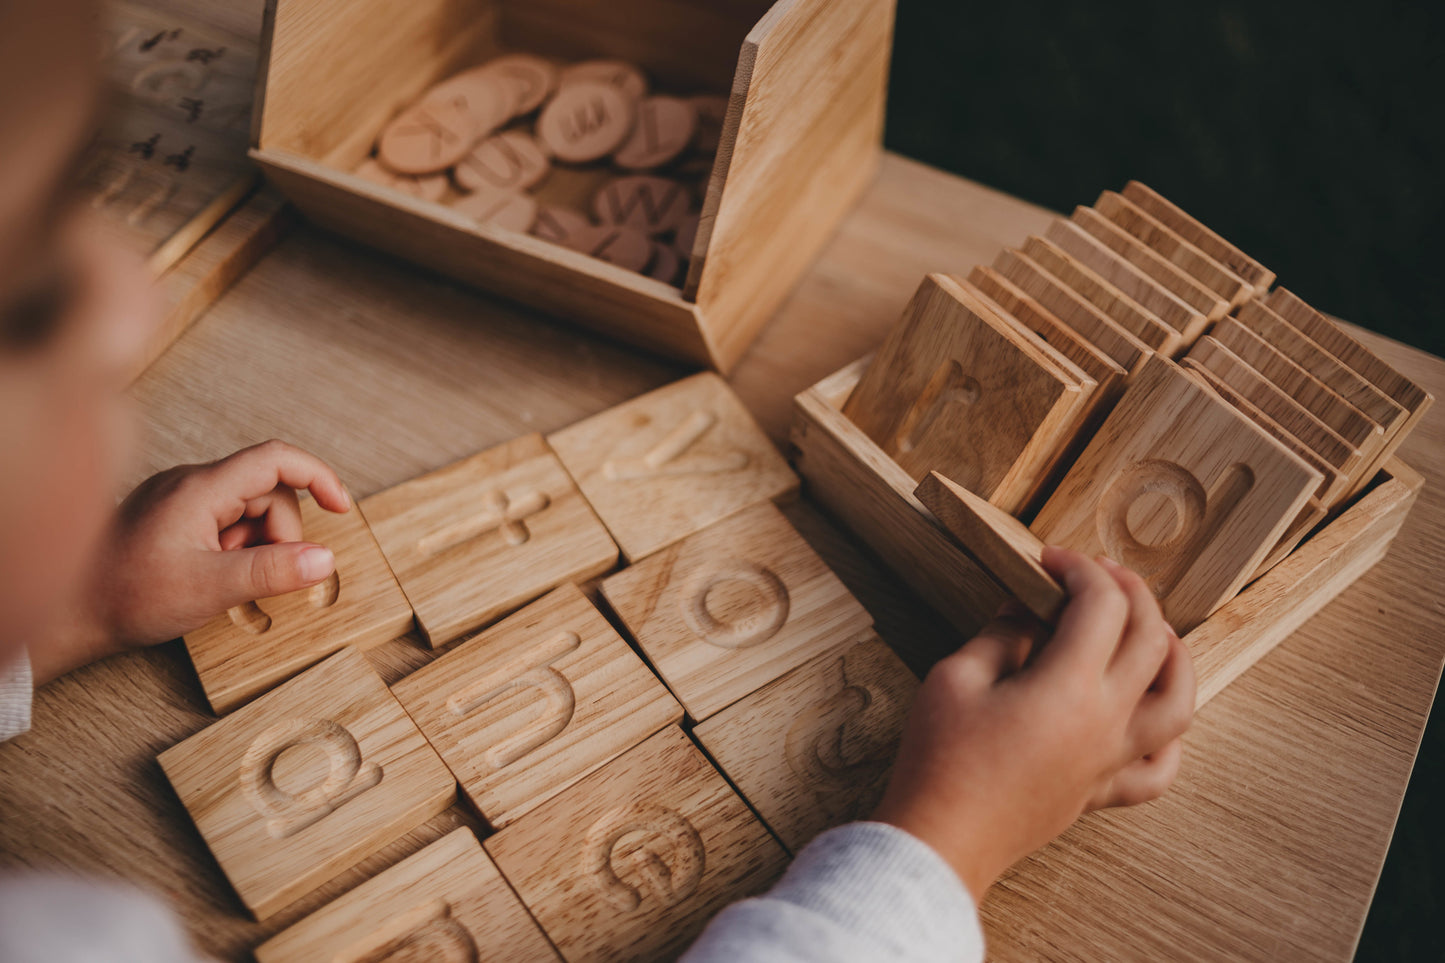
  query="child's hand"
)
[
  {"x": 1001, "y": 752},
  {"x": 190, "y": 543}
]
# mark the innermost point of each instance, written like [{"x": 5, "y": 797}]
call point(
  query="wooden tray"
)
[
  {"x": 801, "y": 141},
  {"x": 850, "y": 475}
]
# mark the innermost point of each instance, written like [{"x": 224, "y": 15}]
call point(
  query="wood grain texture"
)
[
  {"x": 1309, "y": 518},
  {"x": 241, "y": 653},
  {"x": 1153, "y": 264},
  {"x": 1071, "y": 308},
  {"x": 474, "y": 540},
  {"x": 536, "y": 702},
  {"x": 633, "y": 861},
  {"x": 1286, "y": 412},
  {"x": 813, "y": 749},
  {"x": 964, "y": 390},
  {"x": 1098, "y": 291},
  {"x": 1182, "y": 488},
  {"x": 447, "y": 902},
  {"x": 673, "y": 461},
  {"x": 307, "y": 781},
  {"x": 1003, "y": 544},
  {"x": 1200, "y": 236},
  {"x": 1171, "y": 245},
  {"x": 731, "y": 608},
  {"x": 1139, "y": 287}
]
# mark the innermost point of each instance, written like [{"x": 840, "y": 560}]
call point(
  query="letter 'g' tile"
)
[
  {"x": 307, "y": 781},
  {"x": 536, "y": 702},
  {"x": 447, "y": 902}
]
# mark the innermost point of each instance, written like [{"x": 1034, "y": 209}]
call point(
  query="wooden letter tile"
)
[
  {"x": 535, "y": 703},
  {"x": 664, "y": 465},
  {"x": 1173, "y": 278},
  {"x": 814, "y": 749},
  {"x": 1182, "y": 488},
  {"x": 481, "y": 537},
  {"x": 243, "y": 652},
  {"x": 1200, "y": 236},
  {"x": 733, "y": 607},
  {"x": 307, "y": 781},
  {"x": 632, "y": 862},
  {"x": 968, "y": 392},
  {"x": 445, "y": 903},
  {"x": 1172, "y": 246}
]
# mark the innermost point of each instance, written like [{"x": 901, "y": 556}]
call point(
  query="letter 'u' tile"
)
[{"x": 307, "y": 781}]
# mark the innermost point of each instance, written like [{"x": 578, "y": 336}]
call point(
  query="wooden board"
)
[
  {"x": 1003, "y": 544},
  {"x": 243, "y": 652},
  {"x": 1286, "y": 412},
  {"x": 447, "y": 902},
  {"x": 1171, "y": 245},
  {"x": 1069, "y": 307},
  {"x": 1200, "y": 236},
  {"x": 633, "y": 861},
  {"x": 307, "y": 781},
  {"x": 673, "y": 461},
  {"x": 474, "y": 540},
  {"x": 964, "y": 390},
  {"x": 536, "y": 702},
  {"x": 1181, "y": 488},
  {"x": 1152, "y": 263},
  {"x": 733, "y": 607},
  {"x": 1139, "y": 287},
  {"x": 1118, "y": 306},
  {"x": 813, "y": 749}
]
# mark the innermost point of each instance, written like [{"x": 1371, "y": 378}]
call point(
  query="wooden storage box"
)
[
  {"x": 802, "y": 139},
  {"x": 850, "y": 475}
]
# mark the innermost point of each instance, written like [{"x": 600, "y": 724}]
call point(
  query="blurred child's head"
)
[{"x": 74, "y": 318}]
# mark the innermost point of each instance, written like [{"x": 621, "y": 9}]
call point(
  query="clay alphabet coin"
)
[
  {"x": 665, "y": 263},
  {"x": 485, "y": 97},
  {"x": 428, "y": 137},
  {"x": 663, "y": 129},
  {"x": 626, "y": 77},
  {"x": 512, "y": 210},
  {"x": 530, "y": 80},
  {"x": 560, "y": 224},
  {"x": 430, "y": 187},
  {"x": 622, "y": 246},
  {"x": 510, "y": 160},
  {"x": 585, "y": 121},
  {"x": 653, "y": 205}
]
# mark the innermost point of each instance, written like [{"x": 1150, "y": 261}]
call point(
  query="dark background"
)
[{"x": 1309, "y": 134}]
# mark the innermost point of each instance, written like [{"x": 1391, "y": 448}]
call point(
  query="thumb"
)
[{"x": 246, "y": 574}]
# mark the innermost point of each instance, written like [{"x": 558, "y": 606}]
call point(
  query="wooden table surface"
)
[{"x": 1268, "y": 847}]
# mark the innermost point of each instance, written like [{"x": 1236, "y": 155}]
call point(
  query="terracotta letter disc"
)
[
  {"x": 509, "y": 209},
  {"x": 665, "y": 263},
  {"x": 429, "y": 188},
  {"x": 654, "y": 205},
  {"x": 485, "y": 97},
  {"x": 560, "y": 224},
  {"x": 530, "y": 80},
  {"x": 511, "y": 160},
  {"x": 627, "y": 77},
  {"x": 585, "y": 121},
  {"x": 664, "y": 128},
  {"x": 622, "y": 246},
  {"x": 428, "y": 137}
]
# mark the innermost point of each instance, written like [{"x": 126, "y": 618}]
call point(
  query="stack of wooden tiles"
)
[
  {"x": 632, "y": 774},
  {"x": 1127, "y": 384}
]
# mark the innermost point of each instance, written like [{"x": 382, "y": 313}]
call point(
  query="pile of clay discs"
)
[{"x": 583, "y": 155}]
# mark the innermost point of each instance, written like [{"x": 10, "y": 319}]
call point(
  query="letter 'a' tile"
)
[
  {"x": 447, "y": 902},
  {"x": 814, "y": 749},
  {"x": 536, "y": 702},
  {"x": 485, "y": 535},
  {"x": 731, "y": 608},
  {"x": 632, "y": 861},
  {"x": 307, "y": 781},
  {"x": 666, "y": 464},
  {"x": 251, "y": 648}
]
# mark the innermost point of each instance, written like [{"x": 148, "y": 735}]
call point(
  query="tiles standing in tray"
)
[
  {"x": 814, "y": 749},
  {"x": 445, "y": 903},
  {"x": 475, "y": 540},
  {"x": 249, "y": 649},
  {"x": 632, "y": 862},
  {"x": 664, "y": 465},
  {"x": 536, "y": 702},
  {"x": 307, "y": 781},
  {"x": 733, "y": 607},
  {"x": 1182, "y": 488}
]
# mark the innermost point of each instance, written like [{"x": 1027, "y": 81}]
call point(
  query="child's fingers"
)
[
  {"x": 1144, "y": 779},
  {"x": 253, "y": 472},
  {"x": 1001, "y": 648},
  {"x": 281, "y": 514},
  {"x": 1092, "y": 621},
  {"x": 1166, "y": 710},
  {"x": 226, "y": 579},
  {"x": 1145, "y": 642}
]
